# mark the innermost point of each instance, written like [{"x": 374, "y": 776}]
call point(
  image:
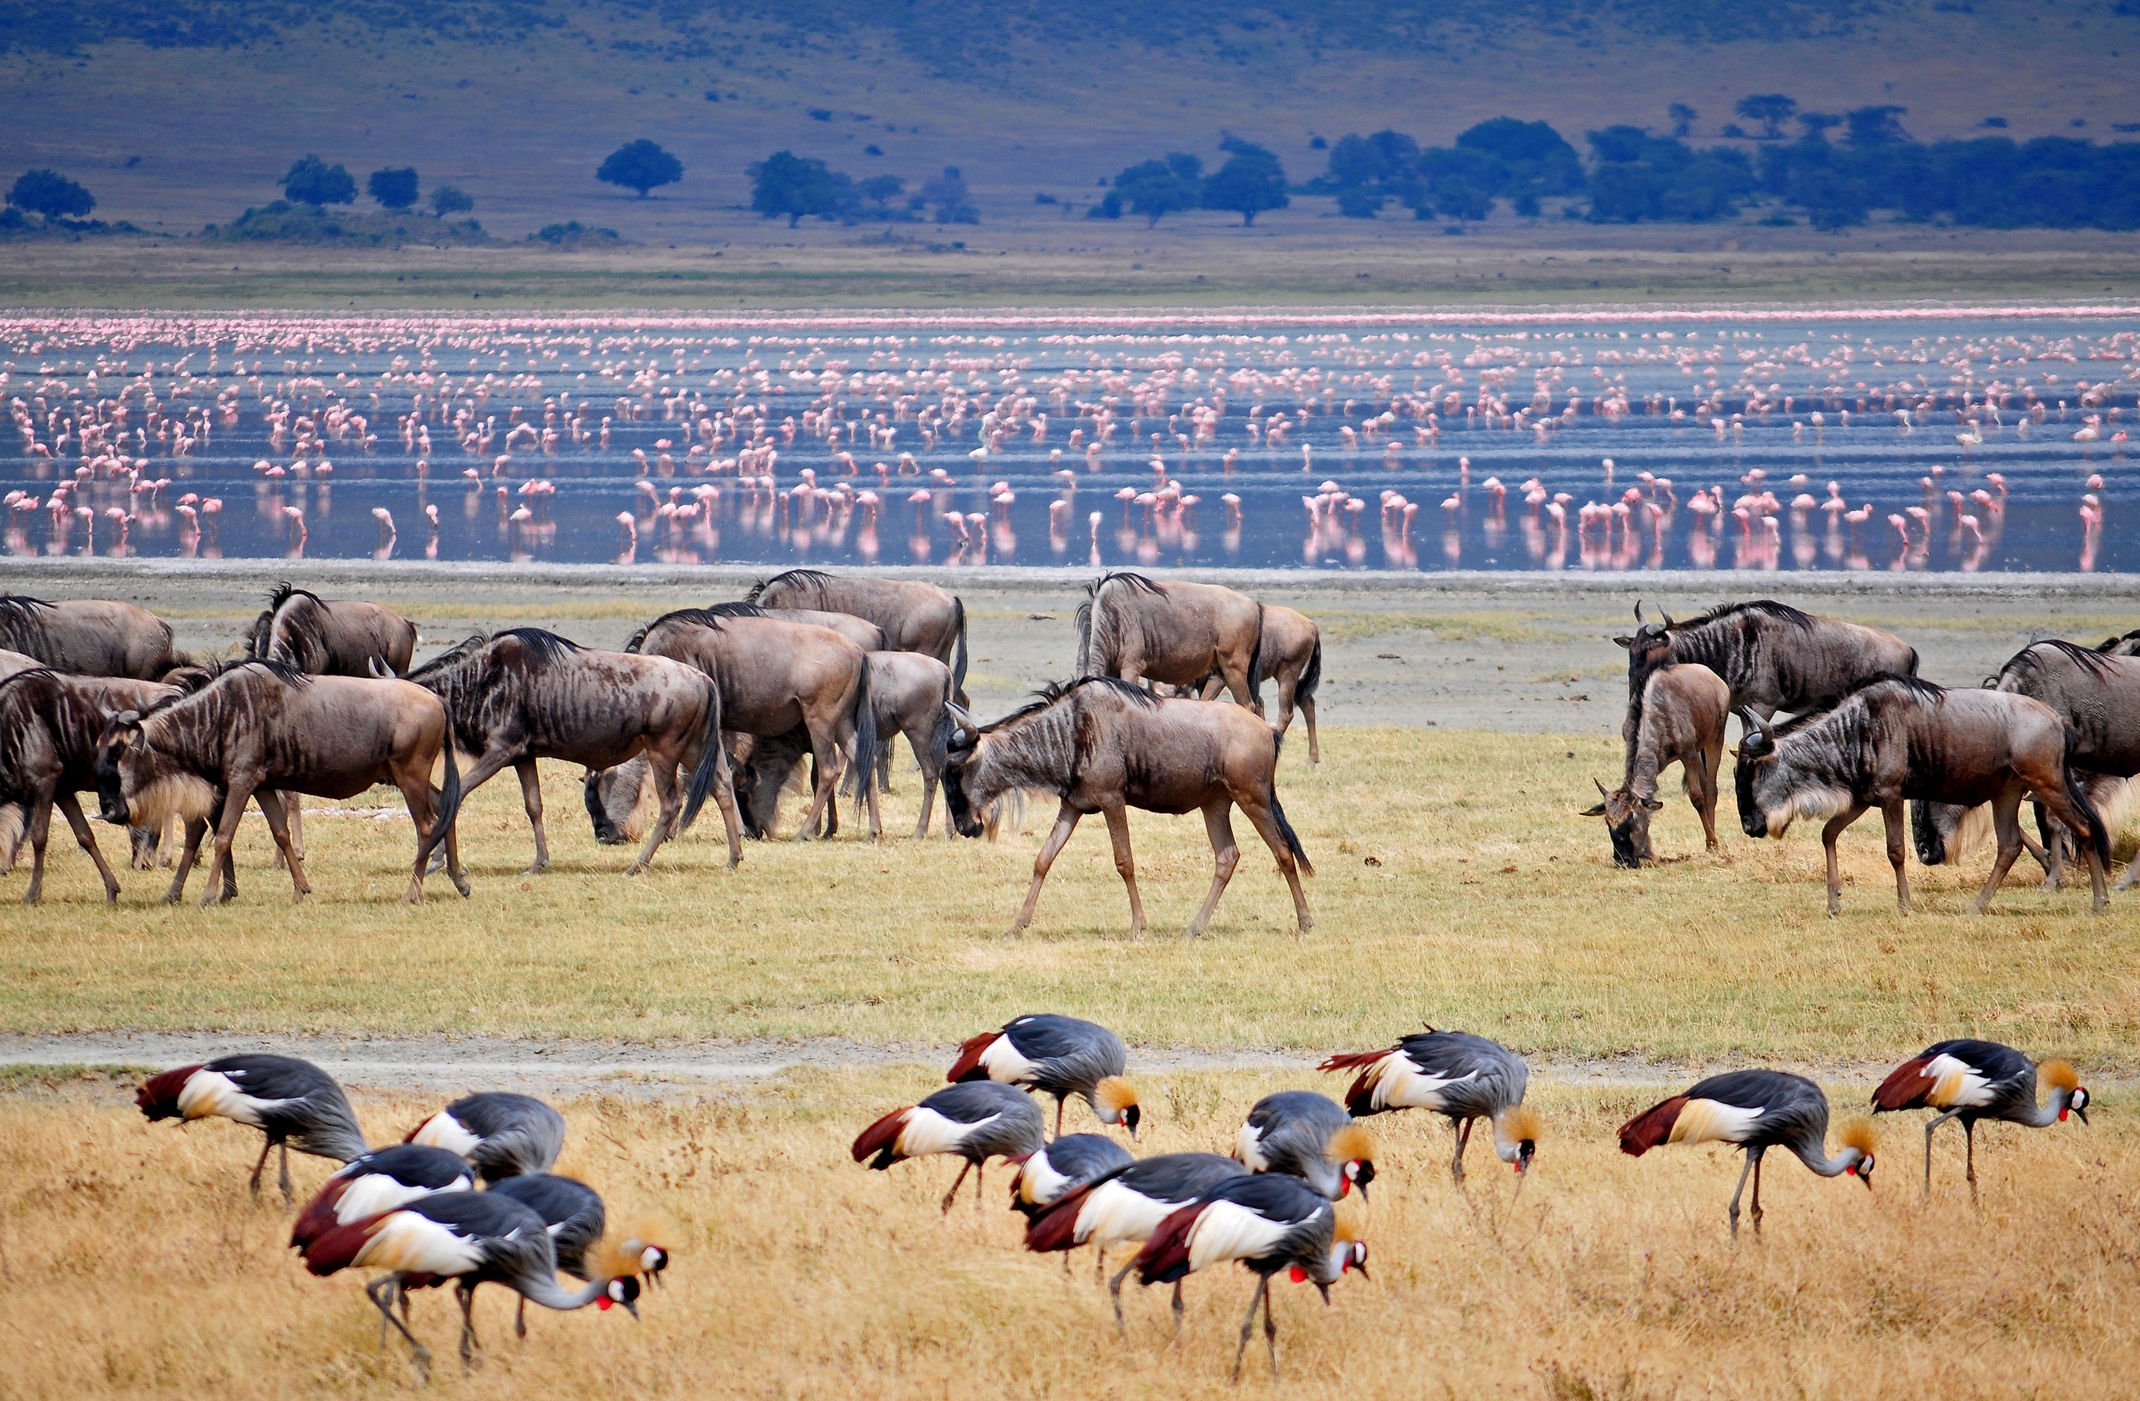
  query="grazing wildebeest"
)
[
  {"x": 774, "y": 676},
  {"x": 1137, "y": 629},
  {"x": 49, "y": 727},
  {"x": 2097, "y": 695},
  {"x": 915, "y": 617},
  {"x": 1104, "y": 745},
  {"x": 262, "y": 729},
  {"x": 344, "y": 638},
  {"x": 89, "y": 637},
  {"x": 1771, "y": 655},
  {"x": 1683, "y": 709},
  {"x": 1894, "y": 738},
  {"x": 525, "y": 695}
]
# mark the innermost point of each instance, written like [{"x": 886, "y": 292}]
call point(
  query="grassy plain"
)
[
  {"x": 1456, "y": 883},
  {"x": 135, "y": 1265}
]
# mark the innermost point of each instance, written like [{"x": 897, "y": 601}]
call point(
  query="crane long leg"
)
[
  {"x": 1463, "y": 1141},
  {"x": 1114, "y": 1289},
  {"x": 1757, "y": 1191},
  {"x": 980, "y": 1169},
  {"x": 1175, "y": 1305},
  {"x": 952, "y": 1195},
  {"x": 520, "y": 1320},
  {"x": 267, "y": 1146},
  {"x": 1058, "y": 1116},
  {"x": 1270, "y": 1328},
  {"x": 1248, "y": 1324},
  {"x": 466, "y": 1294},
  {"x": 1930, "y": 1124},
  {"x": 1099, "y": 1263},
  {"x": 418, "y": 1353},
  {"x": 1733, "y": 1210},
  {"x": 289, "y": 1196},
  {"x": 1969, "y": 1132}
]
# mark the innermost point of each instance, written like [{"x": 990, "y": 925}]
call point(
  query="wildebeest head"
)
[
  {"x": 1627, "y": 820},
  {"x": 1650, "y": 645},
  {"x": 139, "y": 786},
  {"x": 1765, "y": 804},
  {"x": 958, "y": 754}
]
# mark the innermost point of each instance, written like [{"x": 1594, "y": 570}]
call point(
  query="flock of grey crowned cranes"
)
[{"x": 412, "y": 1211}]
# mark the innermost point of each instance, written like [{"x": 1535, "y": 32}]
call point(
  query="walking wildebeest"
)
[
  {"x": 774, "y": 676},
  {"x": 1771, "y": 655},
  {"x": 915, "y": 617},
  {"x": 344, "y": 638},
  {"x": 1136, "y": 629},
  {"x": 525, "y": 695},
  {"x": 1681, "y": 720},
  {"x": 2097, "y": 695},
  {"x": 49, "y": 727},
  {"x": 89, "y": 637},
  {"x": 1894, "y": 738},
  {"x": 1105, "y": 745},
  {"x": 1945, "y": 834},
  {"x": 262, "y": 729}
]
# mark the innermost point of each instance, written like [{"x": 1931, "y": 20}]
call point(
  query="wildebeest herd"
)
[{"x": 728, "y": 702}]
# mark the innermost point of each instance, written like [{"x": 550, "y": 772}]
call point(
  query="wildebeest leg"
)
[
  {"x": 1896, "y": 817},
  {"x": 1213, "y": 684},
  {"x": 73, "y": 809},
  {"x": 825, "y": 761},
  {"x": 2006, "y": 824},
  {"x": 1125, "y": 866},
  {"x": 40, "y": 826},
  {"x": 1710, "y": 758},
  {"x": 531, "y": 799},
  {"x": 1286, "y": 682},
  {"x": 1315, "y": 748},
  {"x": 724, "y": 797},
  {"x": 1258, "y": 811},
  {"x": 278, "y": 822},
  {"x": 189, "y": 849},
  {"x": 2052, "y": 855},
  {"x": 226, "y": 832},
  {"x": 1065, "y": 824},
  {"x": 1828, "y": 834},
  {"x": 1225, "y": 855},
  {"x": 929, "y": 777},
  {"x": 669, "y": 794}
]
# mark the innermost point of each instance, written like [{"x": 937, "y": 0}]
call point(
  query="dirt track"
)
[{"x": 1519, "y": 652}]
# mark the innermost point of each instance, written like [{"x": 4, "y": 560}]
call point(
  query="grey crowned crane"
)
[
  {"x": 1066, "y": 1164},
  {"x": 1268, "y": 1223},
  {"x": 1757, "y": 1110},
  {"x": 975, "y": 1121},
  {"x": 1061, "y": 1055},
  {"x": 1310, "y": 1136},
  {"x": 470, "y": 1238},
  {"x": 1466, "y": 1077},
  {"x": 293, "y": 1102},
  {"x": 576, "y": 1218},
  {"x": 1972, "y": 1080},
  {"x": 380, "y": 1181},
  {"x": 1127, "y": 1206},
  {"x": 504, "y": 1135}
]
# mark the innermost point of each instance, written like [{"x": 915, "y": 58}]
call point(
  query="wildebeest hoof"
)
[{"x": 537, "y": 869}]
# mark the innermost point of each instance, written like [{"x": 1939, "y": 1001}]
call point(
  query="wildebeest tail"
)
[
  {"x": 449, "y": 801},
  {"x": 2098, "y": 830},
  {"x": 958, "y": 656},
  {"x": 1285, "y": 828},
  {"x": 1084, "y": 637},
  {"x": 709, "y": 760},
  {"x": 862, "y": 763},
  {"x": 940, "y": 735},
  {"x": 1255, "y": 662},
  {"x": 1911, "y": 669}
]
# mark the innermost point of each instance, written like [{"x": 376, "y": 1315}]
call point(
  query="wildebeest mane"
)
[
  {"x": 285, "y": 591},
  {"x": 19, "y": 618},
  {"x": 2111, "y": 644},
  {"x": 703, "y": 617},
  {"x": 541, "y": 648},
  {"x": 2026, "y": 661},
  {"x": 1051, "y": 692},
  {"x": 736, "y": 610},
  {"x": 1829, "y": 704},
  {"x": 1092, "y": 594},
  {"x": 1767, "y": 607},
  {"x": 815, "y": 579}
]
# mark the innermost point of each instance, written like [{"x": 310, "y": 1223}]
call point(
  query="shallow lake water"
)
[{"x": 1985, "y": 439}]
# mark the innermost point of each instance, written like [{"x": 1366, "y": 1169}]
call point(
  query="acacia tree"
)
[
  {"x": 1771, "y": 109},
  {"x": 1156, "y": 188},
  {"x": 640, "y": 165},
  {"x": 51, "y": 194},
  {"x": 791, "y": 186},
  {"x": 393, "y": 187},
  {"x": 312, "y": 181},
  {"x": 450, "y": 199},
  {"x": 1250, "y": 182}
]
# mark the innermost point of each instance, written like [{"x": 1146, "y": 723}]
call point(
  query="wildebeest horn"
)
[
  {"x": 963, "y": 739},
  {"x": 380, "y": 670},
  {"x": 1667, "y": 618},
  {"x": 1638, "y": 611},
  {"x": 1601, "y": 789}
]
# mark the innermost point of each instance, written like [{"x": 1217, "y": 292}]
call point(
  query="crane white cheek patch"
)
[
  {"x": 1705, "y": 1121},
  {"x": 1229, "y": 1231},
  {"x": 442, "y": 1130}
]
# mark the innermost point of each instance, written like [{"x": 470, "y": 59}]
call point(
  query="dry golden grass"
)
[
  {"x": 134, "y": 1264},
  {"x": 1455, "y": 882}
]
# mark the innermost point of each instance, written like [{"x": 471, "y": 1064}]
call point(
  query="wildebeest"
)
[
  {"x": 916, "y": 617},
  {"x": 1291, "y": 653},
  {"x": 261, "y": 729},
  {"x": 527, "y": 694},
  {"x": 2127, "y": 645},
  {"x": 1137, "y": 629},
  {"x": 89, "y": 637},
  {"x": 49, "y": 727},
  {"x": 1894, "y": 738},
  {"x": 860, "y": 631},
  {"x": 342, "y": 638},
  {"x": 1681, "y": 721},
  {"x": 1946, "y": 835},
  {"x": 1773, "y": 656},
  {"x": 774, "y": 676},
  {"x": 2097, "y": 695},
  {"x": 1104, "y": 745}
]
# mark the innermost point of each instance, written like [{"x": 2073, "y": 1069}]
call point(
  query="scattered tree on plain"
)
[
  {"x": 640, "y": 165},
  {"x": 1683, "y": 118},
  {"x": 312, "y": 181},
  {"x": 785, "y": 185},
  {"x": 393, "y": 187},
  {"x": 1771, "y": 109},
  {"x": 1250, "y": 182},
  {"x": 51, "y": 194},
  {"x": 1154, "y": 189},
  {"x": 450, "y": 199},
  {"x": 948, "y": 193}
]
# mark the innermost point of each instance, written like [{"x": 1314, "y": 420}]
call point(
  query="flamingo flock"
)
[{"x": 792, "y": 438}]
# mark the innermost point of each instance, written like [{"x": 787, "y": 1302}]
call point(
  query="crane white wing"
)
[
  {"x": 1113, "y": 1213},
  {"x": 1038, "y": 1181},
  {"x": 1229, "y": 1231},
  {"x": 927, "y": 1131},
  {"x": 211, "y": 1092},
  {"x": 442, "y": 1130},
  {"x": 1708, "y": 1120},
  {"x": 416, "y": 1244},
  {"x": 1956, "y": 1084},
  {"x": 1250, "y": 1149},
  {"x": 1401, "y": 1084},
  {"x": 375, "y": 1192},
  {"x": 1004, "y": 1064}
]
